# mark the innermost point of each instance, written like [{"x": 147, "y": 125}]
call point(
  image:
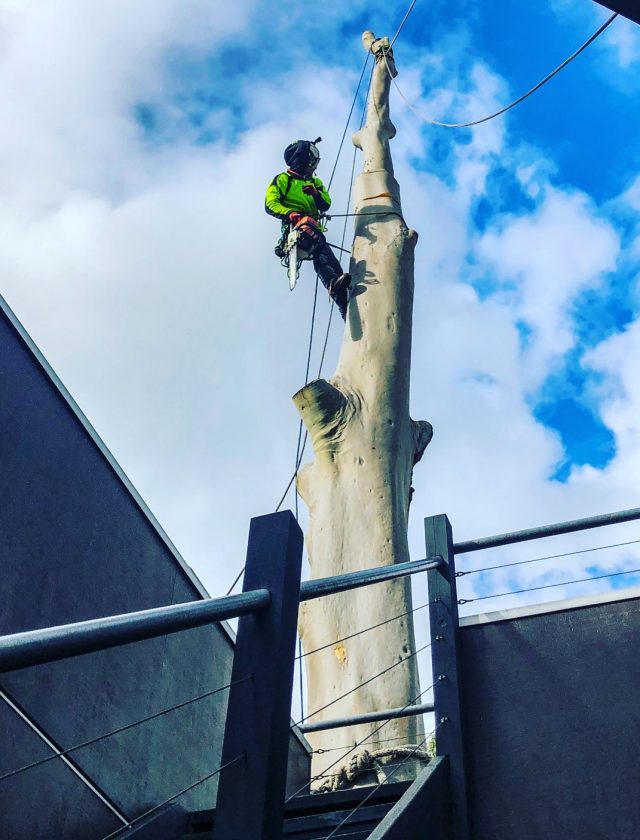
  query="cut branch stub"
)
[{"x": 325, "y": 411}]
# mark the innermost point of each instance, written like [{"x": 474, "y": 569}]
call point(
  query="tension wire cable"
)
[
  {"x": 378, "y": 786},
  {"x": 120, "y": 831},
  {"x": 520, "y": 99},
  {"x": 548, "y": 586},
  {"x": 548, "y": 557},
  {"x": 366, "y": 682},
  {"x": 119, "y": 730},
  {"x": 346, "y": 746},
  {"x": 340, "y": 758},
  {"x": 365, "y": 630}
]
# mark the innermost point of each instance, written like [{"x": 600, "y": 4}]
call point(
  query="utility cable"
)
[
  {"x": 368, "y": 737},
  {"x": 119, "y": 729},
  {"x": 520, "y": 99},
  {"x": 346, "y": 128},
  {"x": 299, "y": 445},
  {"x": 378, "y": 786},
  {"x": 360, "y": 632},
  {"x": 120, "y": 831},
  {"x": 366, "y": 682},
  {"x": 404, "y": 20},
  {"x": 548, "y": 586},
  {"x": 548, "y": 557}
]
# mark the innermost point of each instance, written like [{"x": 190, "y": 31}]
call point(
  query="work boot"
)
[{"x": 339, "y": 292}]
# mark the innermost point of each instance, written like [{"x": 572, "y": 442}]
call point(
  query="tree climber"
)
[{"x": 297, "y": 193}]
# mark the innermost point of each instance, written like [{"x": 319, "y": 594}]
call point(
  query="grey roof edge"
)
[
  {"x": 610, "y": 597},
  {"x": 115, "y": 466}
]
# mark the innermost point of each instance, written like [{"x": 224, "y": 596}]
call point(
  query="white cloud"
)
[
  {"x": 544, "y": 260},
  {"x": 146, "y": 273},
  {"x": 624, "y": 38}
]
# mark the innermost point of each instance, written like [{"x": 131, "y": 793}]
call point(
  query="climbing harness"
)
[{"x": 304, "y": 241}]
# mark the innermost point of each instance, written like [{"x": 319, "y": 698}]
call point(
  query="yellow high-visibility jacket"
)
[{"x": 284, "y": 195}]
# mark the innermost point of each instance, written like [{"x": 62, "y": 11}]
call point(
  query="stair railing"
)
[{"x": 251, "y": 791}]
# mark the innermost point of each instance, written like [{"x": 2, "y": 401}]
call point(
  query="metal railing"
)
[
  {"x": 541, "y": 531},
  {"x": 255, "y": 747}
]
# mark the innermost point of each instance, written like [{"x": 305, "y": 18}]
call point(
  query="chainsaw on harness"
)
[{"x": 303, "y": 242}]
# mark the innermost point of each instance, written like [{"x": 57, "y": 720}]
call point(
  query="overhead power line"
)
[
  {"x": 402, "y": 23},
  {"x": 517, "y": 101}
]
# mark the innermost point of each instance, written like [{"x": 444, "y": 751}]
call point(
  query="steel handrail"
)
[
  {"x": 311, "y": 589},
  {"x": 50, "y": 644},
  {"x": 367, "y": 717},
  {"x": 547, "y": 531},
  {"x": 35, "y": 647}
]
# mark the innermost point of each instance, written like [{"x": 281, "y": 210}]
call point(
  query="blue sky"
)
[{"x": 137, "y": 143}]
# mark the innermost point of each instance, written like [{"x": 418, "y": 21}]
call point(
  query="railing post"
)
[
  {"x": 443, "y": 615},
  {"x": 251, "y": 791}
]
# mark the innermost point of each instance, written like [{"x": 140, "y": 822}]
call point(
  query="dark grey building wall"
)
[
  {"x": 552, "y": 714},
  {"x": 76, "y": 543}
]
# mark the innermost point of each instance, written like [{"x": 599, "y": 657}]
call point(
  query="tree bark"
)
[{"x": 358, "y": 487}]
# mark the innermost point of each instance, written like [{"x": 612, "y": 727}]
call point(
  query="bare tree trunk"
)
[{"x": 365, "y": 444}]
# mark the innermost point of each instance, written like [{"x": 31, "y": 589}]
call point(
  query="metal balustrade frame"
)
[{"x": 258, "y": 718}]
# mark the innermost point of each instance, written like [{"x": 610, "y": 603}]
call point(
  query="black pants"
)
[{"x": 326, "y": 264}]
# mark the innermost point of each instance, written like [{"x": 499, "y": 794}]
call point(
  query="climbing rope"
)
[
  {"x": 520, "y": 99},
  {"x": 366, "y": 761},
  {"x": 302, "y": 442},
  {"x": 412, "y": 752}
]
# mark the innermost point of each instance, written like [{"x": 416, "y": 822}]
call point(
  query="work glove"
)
[
  {"x": 310, "y": 189},
  {"x": 294, "y": 218}
]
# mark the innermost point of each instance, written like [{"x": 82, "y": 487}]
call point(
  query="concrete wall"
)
[
  {"x": 551, "y": 699},
  {"x": 77, "y": 542}
]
